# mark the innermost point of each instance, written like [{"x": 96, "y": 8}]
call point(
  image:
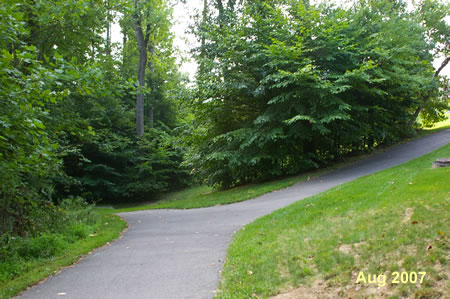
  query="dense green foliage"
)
[
  {"x": 206, "y": 196},
  {"x": 285, "y": 86},
  {"x": 67, "y": 111},
  {"x": 72, "y": 221},
  {"x": 26, "y": 151}
]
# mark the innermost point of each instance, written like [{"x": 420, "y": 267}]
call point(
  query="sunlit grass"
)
[
  {"x": 394, "y": 220},
  {"x": 440, "y": 125}
]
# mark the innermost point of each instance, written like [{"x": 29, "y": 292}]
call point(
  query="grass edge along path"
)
[
  {"x": 395, "y": 220},
  {"x": 204, "y": 196},
  {"x": 113, "y": 227}
]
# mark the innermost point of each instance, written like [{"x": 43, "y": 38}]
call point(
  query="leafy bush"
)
[
  {"x": 27, "y": 159},
  {"x": 118, "y": 168},
  {"x": 78, "y": 231},
  {"x": 42, "y": 246},
  {"x": 77, "y": 210}
]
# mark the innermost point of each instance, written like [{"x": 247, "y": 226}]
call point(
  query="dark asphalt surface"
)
[{"x": 179, "y": 253}]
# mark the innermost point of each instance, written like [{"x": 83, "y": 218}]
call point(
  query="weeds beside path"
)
[{"x": 39, "y": 258}]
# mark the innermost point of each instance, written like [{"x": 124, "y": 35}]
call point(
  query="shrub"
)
[
  {"x": 43, "y": 246},
  {"x": 55, "y": 227},
  {"x": 77, "y": 232}
]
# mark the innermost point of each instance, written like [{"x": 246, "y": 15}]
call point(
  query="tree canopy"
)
[{"x": 285, "y": 86}]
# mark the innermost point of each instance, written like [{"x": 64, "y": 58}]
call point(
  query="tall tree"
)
[
  {"x": 143, "y": 38},
  {"x": 432, "y": 14},
  {"x": 151, "y": 23}
]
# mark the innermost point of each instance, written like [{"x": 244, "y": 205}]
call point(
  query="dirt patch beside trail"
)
[
  {"x": 319, "y": 289},
  {"x": 408, "y": 214}
]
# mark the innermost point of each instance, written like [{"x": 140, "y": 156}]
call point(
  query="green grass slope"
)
[
  {"x": 396, "y": 220},
  {"x": 204, "y": 196}
]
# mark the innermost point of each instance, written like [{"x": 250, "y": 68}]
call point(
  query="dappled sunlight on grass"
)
[{"x": 445, "y": 124}]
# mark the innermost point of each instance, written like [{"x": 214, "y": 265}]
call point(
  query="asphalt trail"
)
[{"x": 179, "y": 253}]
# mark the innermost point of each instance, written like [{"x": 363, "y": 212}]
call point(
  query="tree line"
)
[{"x": 285, "y": 86}]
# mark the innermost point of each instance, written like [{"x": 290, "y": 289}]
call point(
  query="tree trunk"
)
[
  {"x": 221, "y": 13},
  {"x": 151, "y": 49},
  {"x": 108, "y": 29},
  {"x": 141, "y": 79},
  {"x": 204, "y": 16},
  {"x": 425, "y": 99},
  {"x": 201, "y": 68},
  {"x": 150, "y": 116},
  {"x": 108, "y": 39},
  {"x": 142, "y": 45},
  {"x": 124, "y": 42}
]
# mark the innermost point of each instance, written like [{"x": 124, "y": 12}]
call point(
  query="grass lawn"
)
[
  {"x": 35, "y": 270},
  {"x": 396, "y": 220}
]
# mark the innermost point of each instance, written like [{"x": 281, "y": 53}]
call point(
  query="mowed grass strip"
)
[
  {"x": 396, "y": 220},
  {"x": 33, "y": 271},
  {"x": 205, "y": 196}
]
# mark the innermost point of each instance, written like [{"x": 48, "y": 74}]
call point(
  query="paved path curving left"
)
[{"x": 179, "y": 253}]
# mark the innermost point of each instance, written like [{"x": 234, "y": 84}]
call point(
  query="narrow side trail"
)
[{"x": 179, "y": 253}]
